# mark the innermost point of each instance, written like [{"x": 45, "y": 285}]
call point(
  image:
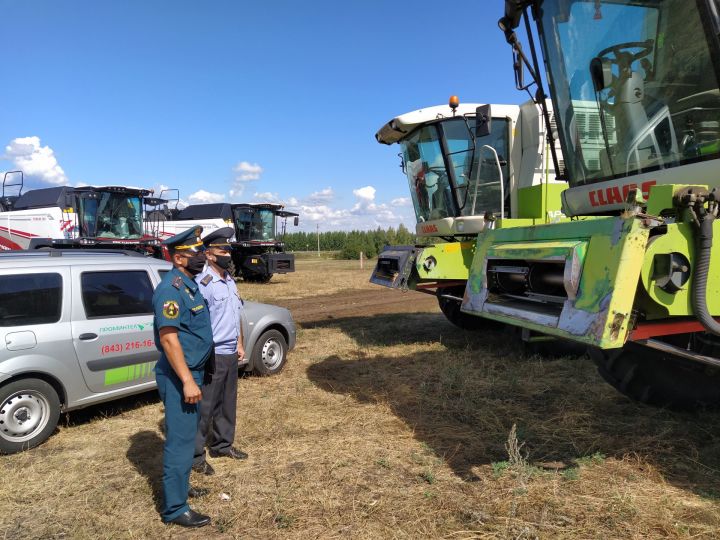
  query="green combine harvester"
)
[
  {"x": 471, "y": 169},
  {"x": 634, "y": 274}
]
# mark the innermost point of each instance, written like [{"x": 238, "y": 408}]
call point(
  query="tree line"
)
[{"x": 349, "y": 244}]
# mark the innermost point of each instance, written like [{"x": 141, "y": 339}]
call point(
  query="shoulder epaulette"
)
[
  {"x": 177, "y": 282},
  {"x": 206, "y": 280}
]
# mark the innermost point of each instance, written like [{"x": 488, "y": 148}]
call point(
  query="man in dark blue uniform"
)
[{"x": 183, "y": 335}]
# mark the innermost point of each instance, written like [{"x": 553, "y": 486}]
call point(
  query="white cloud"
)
[
  {"x": 366, "y": 193},
  {"x": 400, "y": 202},
  {"x": 323, "y": 196},
  {"x": 244, "y": 172},
  {"x": 365, "y": 213},
  {"x": 37, "y": 162},
  {"x": 267, "y": 196},
  {"x": 247, "y": 171},
  {"x": 202, "y": 196}
]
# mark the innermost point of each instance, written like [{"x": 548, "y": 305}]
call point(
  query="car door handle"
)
[{"x": 87, "y": 337}]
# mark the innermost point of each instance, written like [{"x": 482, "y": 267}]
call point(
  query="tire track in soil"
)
[{"x": 358, "y": 303}]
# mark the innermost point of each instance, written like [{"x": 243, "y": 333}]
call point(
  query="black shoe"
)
[
  {"x": 233, "y": 453},
  {"x": 194, "y": 492},
  {"x": 203, "y": 467},
  {"x": 190, "y": 519}
]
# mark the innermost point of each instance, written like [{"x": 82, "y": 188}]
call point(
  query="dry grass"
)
[
  {"x": 392, "y": 426},
  {"x": 313, "y": 277}
]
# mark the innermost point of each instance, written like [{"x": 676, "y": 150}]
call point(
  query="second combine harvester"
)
[{"x": 471, "y": 169}]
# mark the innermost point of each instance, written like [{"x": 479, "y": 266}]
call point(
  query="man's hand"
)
[
  {"x": 192, "y": 392},
  {"x": 241, "y": 353}
]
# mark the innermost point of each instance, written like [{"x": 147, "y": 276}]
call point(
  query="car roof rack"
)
[{"x": 52, "y": 252}]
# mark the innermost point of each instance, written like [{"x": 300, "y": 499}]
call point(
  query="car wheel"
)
[
  {"x": 270, "y": 353},
  {"x": 29, "y": 412}
]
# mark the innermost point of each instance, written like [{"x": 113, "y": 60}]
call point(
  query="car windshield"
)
[
  {"x": 110, "y": 215},
  {"x": 431, "y": 185},
  {"x": 635, "y": 87},
  {"x": 254, "y": 224}
]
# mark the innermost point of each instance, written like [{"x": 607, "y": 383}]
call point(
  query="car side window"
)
[
  {"x": 30, "y": 299},
  {"x": 116, "y": 293}
]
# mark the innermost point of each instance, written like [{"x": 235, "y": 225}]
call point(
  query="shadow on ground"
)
[
  {"x": 412, "y": 328},
  {"x": 110, "y": 408},
  {"x": 462, "y": 403},
  {"x": 405, "y": 328},
  {"x": 145, "y": 454}
]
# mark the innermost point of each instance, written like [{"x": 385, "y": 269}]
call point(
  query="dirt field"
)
[{"x": 388, "y": 422}]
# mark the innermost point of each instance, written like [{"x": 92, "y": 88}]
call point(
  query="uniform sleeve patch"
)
[
  {"x": 171, "y": 309},
  {"x": 206, "y": 280},
  {"x": 197, "y": 308},
  {"x": 177, "y": 282}
]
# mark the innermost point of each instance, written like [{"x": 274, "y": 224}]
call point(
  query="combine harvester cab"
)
[
  {"x": 466, "y": 177},
  {"x": 635, "y": 274},
  {"x": 258, "y": 250},
  {"x": 74, "y": 218}
]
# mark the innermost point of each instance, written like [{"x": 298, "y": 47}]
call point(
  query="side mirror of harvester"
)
[
  {"x": 483, "y": 121},
  {"x": 296, "y": 221}
]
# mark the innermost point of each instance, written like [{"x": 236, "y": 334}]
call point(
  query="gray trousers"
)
[{"x": 218, "y": 408}]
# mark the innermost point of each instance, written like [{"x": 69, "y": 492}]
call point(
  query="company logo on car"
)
[
  {"x": 126, "y": 327},
  {"x": 430, "y": 228},
  {"x": 617, "y": 194}
]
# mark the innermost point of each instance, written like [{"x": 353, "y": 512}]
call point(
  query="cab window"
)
[
  {"x": 30, "y": 299},
  {"x": 115, "y": 294}
]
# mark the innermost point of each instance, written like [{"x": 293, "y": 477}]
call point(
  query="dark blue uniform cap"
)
[
  {"x": 186, "y": 241},
  {"x": 219, "y": 238}
]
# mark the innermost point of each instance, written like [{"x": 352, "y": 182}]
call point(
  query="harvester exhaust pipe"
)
[{"x": 703, "y": 219}]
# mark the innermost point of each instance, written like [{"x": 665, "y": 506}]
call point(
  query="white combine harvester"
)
[{"x": 66, "y": 217}]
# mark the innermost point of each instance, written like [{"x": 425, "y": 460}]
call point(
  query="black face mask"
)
[
  {"x": 195, "y": 264},
  {"x": 223, "y": 261}
]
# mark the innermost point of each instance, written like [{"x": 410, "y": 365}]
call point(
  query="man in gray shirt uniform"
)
[{"x": 219, "y": 396}]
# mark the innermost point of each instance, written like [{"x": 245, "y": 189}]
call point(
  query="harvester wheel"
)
[
  {"x": 233, "y": 272},
  {"x": 661, "y": 378},
  {"x": 451, "y": 309},
  {"x": 256, "y": 278}
]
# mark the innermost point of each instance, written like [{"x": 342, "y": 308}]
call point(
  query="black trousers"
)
[{"x": 218, "y": 408}]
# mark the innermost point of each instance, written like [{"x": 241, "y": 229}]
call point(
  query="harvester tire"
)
[
  {"x": 233, "y": 272},
  {"x": 451, "y": 310},
  {"x": 658, "y": 378}
]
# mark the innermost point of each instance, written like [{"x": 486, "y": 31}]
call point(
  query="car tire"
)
[
  {"x": 270, "y": 353},
  {"x": 29, "y": 413}
]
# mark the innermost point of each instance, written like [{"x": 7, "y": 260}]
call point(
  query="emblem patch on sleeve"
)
[{"x": 171, "y": 309}]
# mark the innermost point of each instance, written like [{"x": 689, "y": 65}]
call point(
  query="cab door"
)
[{"x": 112, "y": 326}]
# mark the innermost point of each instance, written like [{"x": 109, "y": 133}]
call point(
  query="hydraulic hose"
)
[{"x": 700, "y": 276}]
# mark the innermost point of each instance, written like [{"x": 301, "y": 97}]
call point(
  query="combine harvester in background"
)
[
  {"x": 258, "y": 250},
  {"x": 471, "y": 168},
  {"x": 635, "y": 274},
  {"x": 75, "y": 218}
]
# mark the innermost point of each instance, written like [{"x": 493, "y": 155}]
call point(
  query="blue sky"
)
[{"x": 240, "y": 101}]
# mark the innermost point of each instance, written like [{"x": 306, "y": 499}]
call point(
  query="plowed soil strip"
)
[{"x": 358, "y": 302}]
